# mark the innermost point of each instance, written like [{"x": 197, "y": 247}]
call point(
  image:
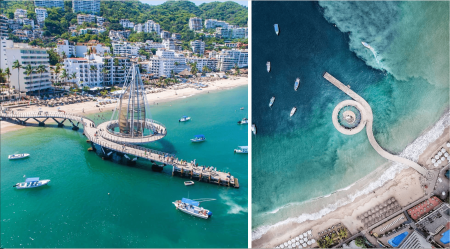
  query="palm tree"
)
[
  {"x": 64, "y": 75},
  {"x": 342, "y": 233},
  {"x": 8, "y": 74},
  {"x": 29, "y": 71},
  {"x": 17, "y": 65},
  {"x": 104, "y": 71},
  {"x": 73, "y": 76},
  {"x": 236, "y": 68}
]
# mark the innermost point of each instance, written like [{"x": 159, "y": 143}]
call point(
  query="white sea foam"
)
[
  {"x": 411, "y": 152},
  {"x": 234, "y": 207}
]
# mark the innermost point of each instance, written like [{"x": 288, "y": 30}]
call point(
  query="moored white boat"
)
[
  {"x": 297, "y": 83},
  {"x": 192, "y": 207},
  {"x": 184, "y": 119},
  {"x": 32, "y": 182},
  {"x": 366, "y": 45},
  {"x": 277, "y": 29},
  {"x": 272, "y": 100},
  {"x": 268, "y": 66},
  {"x": 241, "y": 150},
  {"x": 198, "y": 138},
  {"x": 254, "y": 129},
  {"x": 243, "y": 121},
  {"x": 188, "y": 183},
  {"x": 18, "y": 156},
  {"x": 293, "y": 111}
]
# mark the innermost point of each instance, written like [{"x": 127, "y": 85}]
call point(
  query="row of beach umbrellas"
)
[
  {"x": 440, "y": 157},
  {"x": 303, "y": 240}
]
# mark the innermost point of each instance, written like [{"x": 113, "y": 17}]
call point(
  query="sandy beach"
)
[
  {"x": 405, "y": 187},
  {"x": 166, "y": 95}
]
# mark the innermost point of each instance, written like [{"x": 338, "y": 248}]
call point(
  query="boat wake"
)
[
  {"x": 234, "y": 207},
  {"x": 412, "y": 152}
]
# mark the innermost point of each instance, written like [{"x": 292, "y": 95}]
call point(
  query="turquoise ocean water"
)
[
  {"x": 75, "y": 210},
  {"x": 304, "y": 160}
]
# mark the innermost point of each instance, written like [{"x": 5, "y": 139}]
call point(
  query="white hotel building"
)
[
  {"x": 41, "y": 14},
  {"x": 26, "y": 55},
  {"x": 195, "y": 23},
  {"x": 88, "y": 71},
  {"x": 150, "y": 26},
  {"x": 86, "y": 6},
  {"x": 198, "y": 47},
  {"x": 163, "y": 63},
  {"x": 49, "y": 3},
  {"x": 227, "y": 59}
]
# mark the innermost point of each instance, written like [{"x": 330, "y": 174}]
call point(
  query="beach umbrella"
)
[
  {"x": 436, "y": 156},
  {"x": 448, "y": 145},
  {"x": 297, "y": 243},
  {"x": 433, "y": 160},
  {"x": 301, "y": 241},
  {"x": 376, "y": 208},
  {"x": 365, "y": 215},
  {"x": 297, "y": 238},
  {"x": 313, "y": 241},
  {"x": 309, "y": 243},
  {"x": 301, "y": 236},
  {"x": 293, "y": 241},
  {"x": 281, "y": 246},
  {"x": 442, "y": 150},
  {"x": 304, "y": 245},
  {"x": 289, "y": 242},
  {"x": 305, "y": 235},
  {"x": 286, "y": 244}
]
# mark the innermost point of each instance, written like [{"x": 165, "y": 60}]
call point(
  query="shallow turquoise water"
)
[{"x": 75, "y": 210}]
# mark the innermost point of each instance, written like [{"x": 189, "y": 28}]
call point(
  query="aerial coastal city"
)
[
  {"x": 332, "y": 184},
  {"x": 124, "y": 124}
]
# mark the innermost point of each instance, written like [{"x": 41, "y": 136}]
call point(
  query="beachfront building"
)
[
  {"x": 415, "y": 240},
  {"x": 49, "y": 3},
  {"x": 165, "y": 34},
  {"x": 20, "y": 13},
  {"x": 3, "y": 27},
  {"x": 79, "y": 50},
  {"x": 195, "y": 23},
  {"x": 151, "y": 26},
  {"x": 228, "y": 59},
  {"x": 176, "y": 36},
  {"x": 115, "y": 70},
  {"x": 41, "y": 14},
  {"x": 126, "y": 24},
  {"x": 211, "y": 64},
  {"x": 88, "y": 71},
  {"x": 26, "y": 55},
  {"x": 164, "y": 63},
  {"x": 125, "y": 49},
  {"x": 214, "y": 23},
  {"x": 86, "y": 6},
  {"x": 198, "y": 47},
  {"x": 85, "y": 18}
]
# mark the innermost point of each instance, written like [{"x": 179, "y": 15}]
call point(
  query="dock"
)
[{"x": 110, "y": 148}]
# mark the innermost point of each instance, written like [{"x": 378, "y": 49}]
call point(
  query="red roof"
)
[{"x": 423, "y": 208}]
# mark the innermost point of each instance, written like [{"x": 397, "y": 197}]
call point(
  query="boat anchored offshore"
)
[
  {"x": 241, "y": 150},
  {"x": 268, "y": 66},
  {"x": 18, "y": 156},
  {"x": 32, "y": 182},
  {"x": 277, "y": 30},
  {"x": 293, "y": 111},
  {"x": 184, "y": 119},
  {"x": 297, "y": 83},
  {"x": 271, "y": 101},
  {"x": 198, "y": 139},
  {"x": 193, "y": 208},
  {"x": 188, "y": 183},
  {"x": 366, "y": 45},
  {"x": 243, "y": 121},
  {"x": 254, "y": 129}
]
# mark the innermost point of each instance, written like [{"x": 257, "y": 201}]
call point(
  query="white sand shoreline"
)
[
  {"x": 153, "y": 98},
  {"x": 271, "y": 235}
]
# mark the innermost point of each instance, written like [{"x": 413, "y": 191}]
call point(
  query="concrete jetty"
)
[
  {"x": 369, "y": 126},
  {"x": 111, "y": 145}
]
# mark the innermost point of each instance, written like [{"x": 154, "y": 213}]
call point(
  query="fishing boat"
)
[
  {"x": 241, "y": 150},
  {"x": 293, "y": 111},
  {"x": 32, "y": 182},
  {"x": 188, "y": 183},
  {"x": 254, "y": 129},
  {"x": 198, "y": 139},
  {"x": 193, "y": 208},
  {"x": 297, "y": 83},
  {"x": 184, "y": 119},
  {"x": 268, "y": 66},
  {"x": 271, "y": 101},
  {"x": 277, "y": 30},
  {"x": 18, "y": 156},
  {"x": 243, "y": 121},
  {"x": 366, "y": 45}
]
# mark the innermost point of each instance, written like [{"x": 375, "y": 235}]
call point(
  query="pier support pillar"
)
[
  {"x": 41, "y": 124},
  {"x": 75, "y": 128}
]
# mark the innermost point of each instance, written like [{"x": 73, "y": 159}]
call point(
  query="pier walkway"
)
[
  {"x": 369, "y": 126},
  {"x": 94, "y": 135}
]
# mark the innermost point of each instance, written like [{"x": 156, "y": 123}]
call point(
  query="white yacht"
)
[
  {"x": 254, "y": 129},
  {"x": 243, "y": 121},
  {"x": 277, "y": 30},
  {"x": 297, "y": 83},
  {"x": 188, "y": 183},
  {"x": 184, "y": 119},
  {"x": 293, "y": 111},
  {"x": 271, "y": 101},
  {"x": 268, "y": 66},
  {"x": 366, "y": 45},
  {"x": 198, "y": 139},
  {"x": 32, "y": 182},
  {"x": 241, "y": 150},
  {"x": 192, "y": 207},
  {"x": 18, "y": 156}
]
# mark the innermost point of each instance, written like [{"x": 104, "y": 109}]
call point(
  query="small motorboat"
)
[
  {"x": 254, "y": 129},
  {"x": 184, "y": 119},
  {"x": 297, "y": 83},
  {"x": 18, "y": 156},
  {"x": 277, "y": 30},
  {"x": 32, "y": 182},
  {"x": 241, "y": 150},
  {"x": 268, "y": 66},
  {"x": 243, "y": 121},
  {"x": 192, "y": 207},
  {"x": 188, "y": 183},
  {"x": 293, "y": 111},
  {"x": 242, "y": 108},
  {"x": 198, "y": 139},
  {"x": 271, "y": 101}
]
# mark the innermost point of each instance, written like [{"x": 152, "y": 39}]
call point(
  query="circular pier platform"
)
[{"x": 349, "y": 117}]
